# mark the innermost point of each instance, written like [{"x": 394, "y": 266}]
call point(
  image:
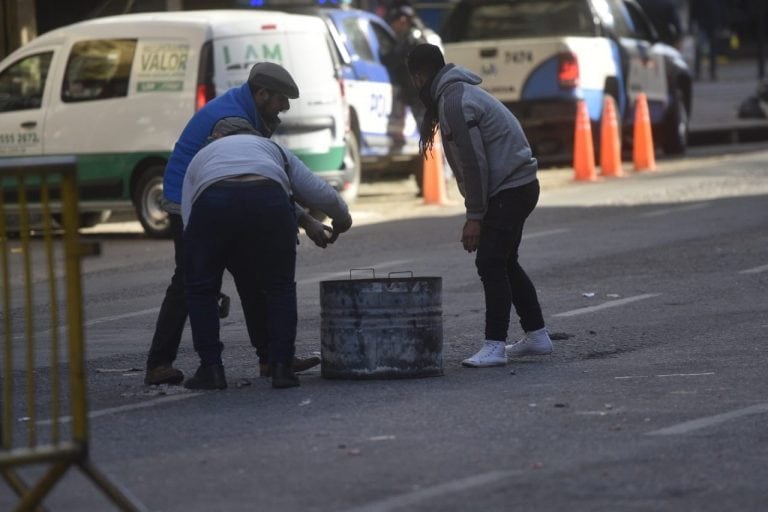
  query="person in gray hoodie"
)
[{"x": 496, "y": 173}]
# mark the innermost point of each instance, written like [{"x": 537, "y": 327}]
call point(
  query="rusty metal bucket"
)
[{"x": 381, "y": 328}]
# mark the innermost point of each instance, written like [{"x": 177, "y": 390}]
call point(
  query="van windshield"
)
[{"x": 473, "y": 20}]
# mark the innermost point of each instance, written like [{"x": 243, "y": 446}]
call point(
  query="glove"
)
[
  {"x": 319, "y": 233},
  {"x": 339, "y": 227}
]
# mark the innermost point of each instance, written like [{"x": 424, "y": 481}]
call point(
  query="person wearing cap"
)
[
  {"x": 259, "y": 102},
  {"x": 237, "y": 210},
  {"x": 496, "y": 173}
]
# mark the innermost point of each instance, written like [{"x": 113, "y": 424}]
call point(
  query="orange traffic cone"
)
[
  {"x": 433, "y": 186},
  {"x": 610, "y": 141},
  {"x": 643, "y": 154},
  {"x": 583, "y": 150}
]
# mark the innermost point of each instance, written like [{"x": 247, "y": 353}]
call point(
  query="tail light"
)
[
  {"x": 567, "y": 70},
  {"x": 205, "y": 90},
  {"x": 204, "y": 94}
]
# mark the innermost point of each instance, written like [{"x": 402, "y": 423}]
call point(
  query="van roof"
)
[{"x": 216, "y": 22}]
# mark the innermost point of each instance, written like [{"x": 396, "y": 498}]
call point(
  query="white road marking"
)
[
  {"x": 125, "y": 408},
  {"x": 756, "y": 270},
  {"x": 709, "y": 421},
  {"x": 606, "y": 305},
  {"x": 309, "y": 280},
  {"x": 455, "y": 486},
  {"x": 665, "y": 375},
  {"x": 666, "y": 211},
  {"x": 550, "y": 232},
  {"x": 96, "y": 321},
  {"x": 686, "y": 374}
]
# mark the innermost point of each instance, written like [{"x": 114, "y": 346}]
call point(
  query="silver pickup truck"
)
[{"x": 539, "y": 57}]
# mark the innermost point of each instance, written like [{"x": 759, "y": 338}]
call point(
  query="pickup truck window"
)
[
  {"x": 642, "y": 27},
  {"x": 357, "y": 39},
  {"x": 493, "y": 19}
]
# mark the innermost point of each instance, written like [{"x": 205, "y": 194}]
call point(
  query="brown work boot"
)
[
  {"x": 165, "y": 374},
  {"x": 299, "y": 365}
]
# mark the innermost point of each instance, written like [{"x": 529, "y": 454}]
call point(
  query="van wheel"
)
[
  {"x": 353, "y": 166},
  {"x": 675, "y": 138},
  {"x": 147, "y": 198}
]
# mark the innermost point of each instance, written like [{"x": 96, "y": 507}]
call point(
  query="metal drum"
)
[{"x": 381, "y": 328}]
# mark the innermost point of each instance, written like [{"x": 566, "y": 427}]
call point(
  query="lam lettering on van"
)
[
  {"x": 246, "y": 55},
  {"x": 161, "y": 67}
]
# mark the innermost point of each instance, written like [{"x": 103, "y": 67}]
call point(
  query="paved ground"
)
[{"x": 716, "y": 105}]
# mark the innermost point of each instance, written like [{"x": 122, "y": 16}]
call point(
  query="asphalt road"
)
[{"x": 654, "y": 287}]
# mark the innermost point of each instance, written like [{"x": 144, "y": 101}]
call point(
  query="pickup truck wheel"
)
[
  {"x": 675, "y": 130},
  {"x": 353, "y": 166},
  {"x": 147, "y": 198}
]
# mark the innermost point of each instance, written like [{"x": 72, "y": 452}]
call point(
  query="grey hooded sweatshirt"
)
[{"x": 484, "y": 143}]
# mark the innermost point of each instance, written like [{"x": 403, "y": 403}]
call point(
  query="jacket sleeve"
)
[
  {"x": 463, "y": 120},
  {"x": 313, "y": 192}
]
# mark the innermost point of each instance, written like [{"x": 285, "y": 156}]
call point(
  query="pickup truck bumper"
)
[{"x": 548, "y": 125}]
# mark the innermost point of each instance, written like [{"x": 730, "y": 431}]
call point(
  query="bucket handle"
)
[
  {"x": 389, "y": 276},
  {"x": 361, "y": 269}
]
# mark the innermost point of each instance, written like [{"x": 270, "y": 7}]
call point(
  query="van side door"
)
[{"x": 24, "y": 92}]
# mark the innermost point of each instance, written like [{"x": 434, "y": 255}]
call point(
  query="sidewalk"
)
[{"x": 714, "y": 116}]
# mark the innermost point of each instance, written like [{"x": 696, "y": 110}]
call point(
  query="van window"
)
[
  {"x": 98, "y": 69},
  {"x": 357, "y": 38},
  {"x": 22, "y": 84}
]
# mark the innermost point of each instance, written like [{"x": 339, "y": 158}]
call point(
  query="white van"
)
[{"x": 116, "y": 93}]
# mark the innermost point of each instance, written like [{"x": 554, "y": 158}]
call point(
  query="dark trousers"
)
[
  {"x": 173, "y": 311},
  {"x": 504, "y": 280},
  {"x": 249, "y": 229}
]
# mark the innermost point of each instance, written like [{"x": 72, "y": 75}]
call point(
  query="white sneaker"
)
[
  {"x": 535, "y": 343},
  {"x": 492, "y": 354}
]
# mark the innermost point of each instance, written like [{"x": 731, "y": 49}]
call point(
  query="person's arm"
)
[
  {"x": 315, "y": 194},
  {"x": 463, "y": 121},
  {"x": 318, "y": 232}
]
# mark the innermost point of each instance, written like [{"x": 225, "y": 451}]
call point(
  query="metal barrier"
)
[{"x": 34, "y": 191}]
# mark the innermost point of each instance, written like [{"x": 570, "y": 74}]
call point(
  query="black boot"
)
[
  {"x": 299, "y": 365},
  {"x": 283, "y": 376},
  {"x": 209, "y": 376}
]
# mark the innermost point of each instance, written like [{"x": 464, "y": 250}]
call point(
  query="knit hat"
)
[{"x": 273, "y": 77}]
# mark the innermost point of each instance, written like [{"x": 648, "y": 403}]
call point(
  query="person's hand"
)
[
  {"x": 339, "y": 227},
  {"x": 470, "y": 236},
  {"x": 316, "y": 231}
]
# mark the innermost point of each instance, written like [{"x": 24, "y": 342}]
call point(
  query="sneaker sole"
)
[
  {"x": 529, "y": 354},
  {"x": 476, "y": 365}
]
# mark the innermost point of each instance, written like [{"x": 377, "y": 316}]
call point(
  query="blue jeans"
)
[
  {"x": 504, "y": 281},
  {"x": 249, "y": 229}
]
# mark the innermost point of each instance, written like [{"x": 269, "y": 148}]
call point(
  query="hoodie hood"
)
[{"x": 451, "y": 74}]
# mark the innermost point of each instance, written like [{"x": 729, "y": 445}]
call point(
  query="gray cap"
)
[{"x": 273, "y": 77}]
